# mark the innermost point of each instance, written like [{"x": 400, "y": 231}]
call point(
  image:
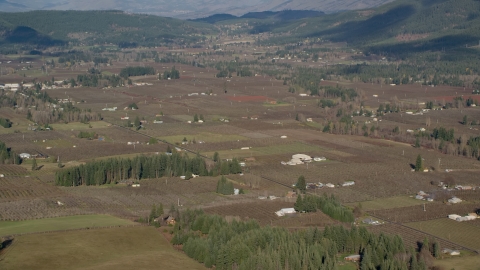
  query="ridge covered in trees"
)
[{"x": 42, "y": 28}]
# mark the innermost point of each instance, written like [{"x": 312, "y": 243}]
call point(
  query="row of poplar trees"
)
[
  {"x": 114, "y": 170},
  {"x": 328, "y": 205},
  {"x": 245, "y": 245}
]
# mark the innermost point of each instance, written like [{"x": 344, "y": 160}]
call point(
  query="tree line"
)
[
  {"x": 213, "y": 241},
  {"x": 136, "y": 71},
  {"x": 114, "y": 170},
  {"x": 7, "y": 156},
  {"x": 328, "y": 205}
]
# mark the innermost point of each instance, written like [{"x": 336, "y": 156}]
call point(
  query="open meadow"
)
[
  {"x": 60, "y": 224},
  {"x": 113, "y": 248}
]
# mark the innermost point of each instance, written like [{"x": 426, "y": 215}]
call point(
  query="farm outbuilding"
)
[
  {"x": 454, "y": 200},
  {"x": 451, "y": 252},
  {"x": 25, "y": 155},
  {"x": 282, "y": 212}
]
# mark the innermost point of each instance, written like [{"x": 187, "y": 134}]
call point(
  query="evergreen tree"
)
[
  {"x": 153, "y": 214},
  {"x": 419, "y": 164},
  {"x": 301, "y": 184},
  {"x": 34, "y": 164},
  {"x": 417, "y": 142},
  {"x": 298, "y": 206},
  {"x": 216, "y": 157},
  {"x": 436, "y": 249},
  {"x": 137, "y": 122},
  {"x": 195, "y": 118},
  {"x": 160, "y": 210}
]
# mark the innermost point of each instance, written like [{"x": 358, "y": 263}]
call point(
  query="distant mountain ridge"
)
[
  {"x": 285, "y": 15},
  {"x": 190, "y": 9}
]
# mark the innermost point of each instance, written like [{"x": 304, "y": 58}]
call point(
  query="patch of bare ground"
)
[{"x": 410, "y": 37}]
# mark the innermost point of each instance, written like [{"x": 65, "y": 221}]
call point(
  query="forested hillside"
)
[
  {"x": 400, "y": 27},
  {"x": 47, "y": 28}
]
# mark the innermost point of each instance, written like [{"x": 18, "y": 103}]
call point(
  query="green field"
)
[
  {"x": 80, "y": 126},
  {"x": 295, "y": 147},
  {"x": 203, "y": 136},
  {"x": 461, "y": 233},
  {"x": 460, "y": 263},
  {"x": 116, "y": 248},
  {"x": 60, "y": 223},
  {"x": 388, "y": 203}
]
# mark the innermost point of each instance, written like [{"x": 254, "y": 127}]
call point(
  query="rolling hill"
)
[
  {"x": 45, "y": 28},
  {"x": 188, "y": 9}
]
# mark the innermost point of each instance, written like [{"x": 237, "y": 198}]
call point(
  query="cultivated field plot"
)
[
  {"x": 284, "y": 148},
  {"x": 14, "y": 188},
  {"x": 264, "y": 212},
  {"x": 135, "y": 247},
  {"x": 60, "y": 224},
  {"x": 462, "y": 262},
  {"x": 132, "y": 202},
  {"x": 410, "y": 236},
  {"x": 461, "y": 233},
  {"x": 387, "y": 203},
  {"x": 434, "y": 210}
]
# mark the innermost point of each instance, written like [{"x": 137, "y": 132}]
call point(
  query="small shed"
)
[{"x": 282, "y": 212}]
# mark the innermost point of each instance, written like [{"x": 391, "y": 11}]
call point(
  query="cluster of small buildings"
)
[
  {"x": 370, "y": 221},
  {"x": 424, "y": 196},
  {"x": 109, "y": 109},
  {"x": 298, "y": 159},
  {"x": 328, "y": 185}
]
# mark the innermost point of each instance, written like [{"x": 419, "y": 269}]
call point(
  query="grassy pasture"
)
[
  {"x": 80, "y": 126},
  {"x": 462, "y": 262},
  {"x": 295, "y": 147},
  {"x": 461, "y": 233},
  {"x": 388, "y": 203},
  {"x": 60, "y": 223},
  {"x": 115, "y": 248}
]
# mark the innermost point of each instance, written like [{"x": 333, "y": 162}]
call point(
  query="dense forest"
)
[{"x": 213, "y": 241}]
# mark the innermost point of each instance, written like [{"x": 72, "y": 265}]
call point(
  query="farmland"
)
[
  {"x": 261, "y": 113},
  {"x": 113, "y": 248},
  {"x": 61, "y": 223},
  {"x": 459, "y": 232}
]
